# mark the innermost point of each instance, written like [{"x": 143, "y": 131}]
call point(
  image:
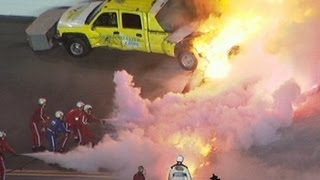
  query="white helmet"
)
[
  {"x": 2, "y": 134},
  {"x": 59, "y": 114},
  {"x": 87, "y": 107},
  {"x": 180, "y": 158},
  {"x": 140, "y": 168},
  {"x": 80, "y": 104},
  {"x": 42, "y": 101}
]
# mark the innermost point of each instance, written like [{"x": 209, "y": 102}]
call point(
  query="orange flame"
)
[
  {"x": 236, "y": 26},
  {"x": 192, "y": 143},
  {"x": 220, "y": 37}
]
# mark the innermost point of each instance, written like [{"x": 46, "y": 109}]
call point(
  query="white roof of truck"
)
[{"x": 45, "y": 21}]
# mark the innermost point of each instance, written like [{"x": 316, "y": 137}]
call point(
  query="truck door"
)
[
  {"x": 107, "y": 27},
  {"x": 133, "y": 33}
]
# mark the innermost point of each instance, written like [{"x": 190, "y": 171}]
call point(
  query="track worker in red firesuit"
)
[
  {"x": 179, "y": 171},
  {"x": 38, "y": 124},
  {"x": 86, "y": 136},
  {"x": 56, "y": 127},
  {"x": 73, "y": 120},
  {"x": 4, "y": 148},
  {"x": 141, "y": 174}
]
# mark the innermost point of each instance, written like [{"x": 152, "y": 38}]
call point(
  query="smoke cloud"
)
[{"x": 240, "y": 127}]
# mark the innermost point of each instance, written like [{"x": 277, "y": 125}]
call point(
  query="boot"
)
[
  {"x": 62, "y": 150},
  {"x": 41, "y": 148},
  {"x": 34, "y": 149}
]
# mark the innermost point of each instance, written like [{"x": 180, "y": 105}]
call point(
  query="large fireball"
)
[{"x": 235, "y": 23}]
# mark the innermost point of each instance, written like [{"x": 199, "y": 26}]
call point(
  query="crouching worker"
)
[
  {"x": 179, "y": 170},
  {"x": 56, "y": 127},
  {"x": 4, "y": 148}
]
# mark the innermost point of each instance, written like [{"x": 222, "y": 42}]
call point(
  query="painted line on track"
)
[{"x": 49, "y": 173}]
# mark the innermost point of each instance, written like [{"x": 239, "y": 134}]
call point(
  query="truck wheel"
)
[
  {"x": 188, "y": 60},
  {"x": 77, "y": 47}
]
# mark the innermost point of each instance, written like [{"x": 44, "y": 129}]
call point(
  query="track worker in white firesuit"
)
[
  {"x": 38, "y": 125},
  {"x": 179, "y": 171},
  {"x": 4, "y": 148},
  {"x": 55, "y": 129}
]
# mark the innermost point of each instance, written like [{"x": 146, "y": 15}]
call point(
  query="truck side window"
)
[
  {"x": 132, "y": 21},
  {"x": 107, "y": 20}
]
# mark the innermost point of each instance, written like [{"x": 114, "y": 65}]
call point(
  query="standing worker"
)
[
  {"x": 38, "y": 124},
  {"x": 141, "y": 174},
  {"x": 4, "y": 148},
  {"x": 86, "y": 136},
  {"x": 179, "y": 171},
  {"x": 72, "y": 121},
  {"x": 56, "y": 127}
]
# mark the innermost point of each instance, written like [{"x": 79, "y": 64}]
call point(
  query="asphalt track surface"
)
[{"x": 26, "y": 75}]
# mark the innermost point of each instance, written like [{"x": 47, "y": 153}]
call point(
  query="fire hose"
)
[
  {"x": 108, "y": 124},
  {"x": 22, "y": 166},
  {"x": 10, "y": 157},
  {"x": 112, "y": 122}
]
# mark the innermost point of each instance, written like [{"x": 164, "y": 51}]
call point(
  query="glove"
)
[
  {"x": 76, "y": 139},
  {"x": 103, "y": 122}
]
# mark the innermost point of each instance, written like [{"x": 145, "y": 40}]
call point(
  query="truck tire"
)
[
  {"x": 77, "y": 47},
  {"x": 187, "y": 60}
]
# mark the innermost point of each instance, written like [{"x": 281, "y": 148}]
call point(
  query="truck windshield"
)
[{"x": 93, "y": 13}]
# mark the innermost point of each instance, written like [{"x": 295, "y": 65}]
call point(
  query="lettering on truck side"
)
[
  {"x": 130, "y": 42},
  {"x": 122, "y": 40},
  {"x": 112, "y": 40}
]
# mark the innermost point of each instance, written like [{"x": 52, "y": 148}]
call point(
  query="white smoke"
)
[
  {"x": 130, "y": 106},
  {"x": 236, "y": 116}
]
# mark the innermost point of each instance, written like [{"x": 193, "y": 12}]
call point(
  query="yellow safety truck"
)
[{"x": 119, "y": 24}]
